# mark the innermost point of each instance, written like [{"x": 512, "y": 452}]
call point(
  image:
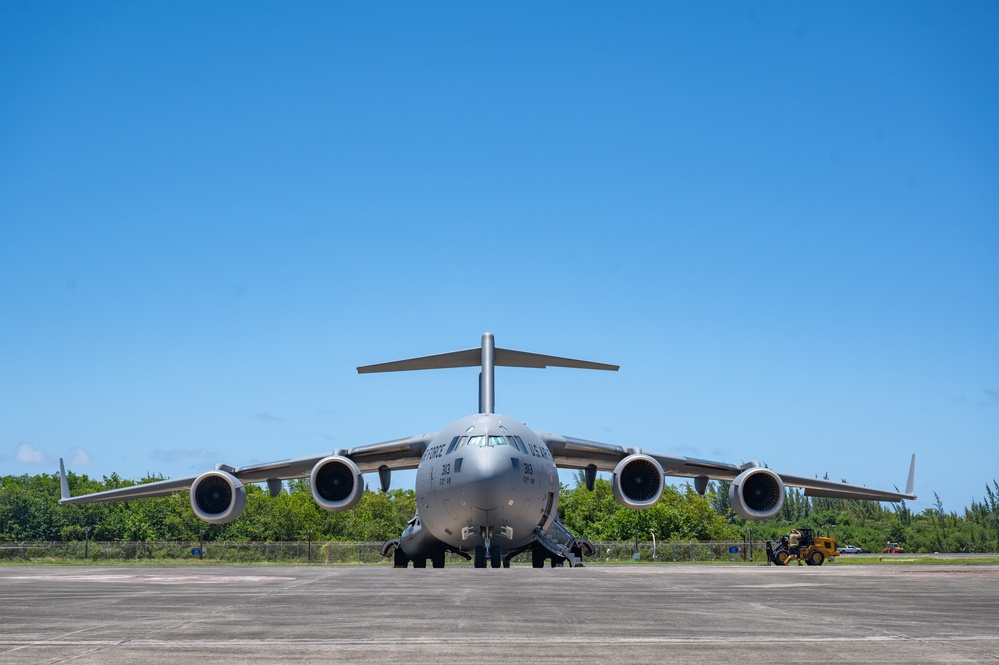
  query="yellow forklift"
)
[{"x": 811, "y": 549}]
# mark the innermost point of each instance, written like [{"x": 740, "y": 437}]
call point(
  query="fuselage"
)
[{"x": 486, "y": 475}]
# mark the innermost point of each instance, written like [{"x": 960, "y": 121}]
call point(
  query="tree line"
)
[{"x": 29, "y": 511}]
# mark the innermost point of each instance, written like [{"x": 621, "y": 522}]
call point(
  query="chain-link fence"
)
[
  {"x": 682, "y": 552},
  {"x": 345, "y": 553}
]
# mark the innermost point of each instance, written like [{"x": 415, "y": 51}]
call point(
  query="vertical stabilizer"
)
[{"x": 487, "y": 380}]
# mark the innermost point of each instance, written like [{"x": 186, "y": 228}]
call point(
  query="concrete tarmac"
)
[{"x": 607, "y": 613}]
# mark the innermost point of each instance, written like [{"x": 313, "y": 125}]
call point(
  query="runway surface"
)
[{"x": 626, "y": 613}]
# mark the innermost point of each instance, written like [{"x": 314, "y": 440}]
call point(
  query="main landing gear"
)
[
  {"x": 539, "y": 555},
  {"x": 400, "y": 560}
]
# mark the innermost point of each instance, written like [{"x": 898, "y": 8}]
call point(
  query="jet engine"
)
[
  {"x": 756, "y": 493},
  {"x": 638, "y": 482},
  {"x": 336, "y": 483},
  {"x": 217, "y": 497}
]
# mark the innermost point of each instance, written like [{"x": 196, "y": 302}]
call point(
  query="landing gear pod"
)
[
  {"x": 638, "y": 482},
  {"x": 336, "y": 483},
  {"x": 756, "y": 494},
  {"x": 217, "y": 497}
]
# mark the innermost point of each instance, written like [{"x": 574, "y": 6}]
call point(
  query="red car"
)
[{"x": 893, "y": 548}]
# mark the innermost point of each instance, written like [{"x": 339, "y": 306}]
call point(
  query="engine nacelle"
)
[
  {"x": 638, "y": 482},
  {"x": 217, "y": 497},
  {"x": 336, "y": 483},
  {"x": 756, "y": 494}
]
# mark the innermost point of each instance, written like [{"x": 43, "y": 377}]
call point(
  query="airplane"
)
[{"x": 487, "y": 485}]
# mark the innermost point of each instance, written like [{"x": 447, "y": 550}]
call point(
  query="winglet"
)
[
  {"x": 912, "y": 475},
  {"x": 63, "y": 481}
]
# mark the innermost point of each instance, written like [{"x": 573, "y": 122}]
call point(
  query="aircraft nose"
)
[{"x": 485, "y": 485}]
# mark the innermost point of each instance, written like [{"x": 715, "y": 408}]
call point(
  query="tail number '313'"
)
[{"x": 445, "y": 474}]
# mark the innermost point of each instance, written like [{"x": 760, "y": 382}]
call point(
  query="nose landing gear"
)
[{"x": 489, "y": 551}]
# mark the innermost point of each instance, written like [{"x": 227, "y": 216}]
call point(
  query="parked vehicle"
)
[
  {"x": 893, "y": 548},
  {"x": 849, "y": 549},
  {"x": 811, "y": 549}
]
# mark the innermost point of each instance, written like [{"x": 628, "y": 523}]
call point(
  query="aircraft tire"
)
[
  {"x": 479, "y": 560},
  {"x": 399, "y": 559},
  {"x": 437, "y": 559},
  {"x": 494, "y": 556},
  {"x": 538, "y": 557},
  {"x": 419, "y": 563}
]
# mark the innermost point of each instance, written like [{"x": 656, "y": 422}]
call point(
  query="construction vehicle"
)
[{"x": 812, "y": 549}]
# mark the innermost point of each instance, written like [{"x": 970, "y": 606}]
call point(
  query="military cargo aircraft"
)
[{"x": 487, "y": 485}]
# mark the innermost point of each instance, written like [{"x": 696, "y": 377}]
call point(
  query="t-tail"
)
[{"x": 488, "y": 356}]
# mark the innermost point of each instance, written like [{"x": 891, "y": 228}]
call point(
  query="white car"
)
[{"x": 849, "y": 549}]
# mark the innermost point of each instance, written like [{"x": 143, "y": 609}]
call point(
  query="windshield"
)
[
  {"x": 492, "y": 442},
  {"x": 484, "y": 441}
]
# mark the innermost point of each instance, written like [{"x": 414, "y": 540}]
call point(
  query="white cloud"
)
[
  {"x": 265, "y": 417},
  {"x": 78, "y": 457},
  {"x": 26, "y": 453}
]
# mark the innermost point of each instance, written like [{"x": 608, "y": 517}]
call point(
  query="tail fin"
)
[{"x": 488, "y": 356}]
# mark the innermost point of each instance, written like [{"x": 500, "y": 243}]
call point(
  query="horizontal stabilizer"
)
[
  {"x": 488, "y": 356},
  {"x": 473, "y": 358},
  {"x": 511, "y": 358},
  {"x": 466, "y": 358}
]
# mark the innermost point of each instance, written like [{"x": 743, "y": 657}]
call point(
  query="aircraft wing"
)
[
  {"x": 397, "y": 454},
  {"x": 573, "y": 453}
]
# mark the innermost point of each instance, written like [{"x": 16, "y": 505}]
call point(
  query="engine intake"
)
[
  {"x": 638, "y": 482},
  {"x": 756, "y": 494},
  {"x": 336, "y": 483},
  {"x": 217, "y": 497}
]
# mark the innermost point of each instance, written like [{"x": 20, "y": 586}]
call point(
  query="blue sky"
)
[{"x": 782, "y": 221}]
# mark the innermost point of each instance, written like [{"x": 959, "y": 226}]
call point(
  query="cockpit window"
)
[
  {"x": 453, "y": 445},
  {"x": 515, "y": 443},
  {"x": 486, "y": 441}
]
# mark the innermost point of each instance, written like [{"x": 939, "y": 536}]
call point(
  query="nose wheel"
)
[
  {"x": 484, "y": 553},
  {"x": 489, "y": 553}
]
